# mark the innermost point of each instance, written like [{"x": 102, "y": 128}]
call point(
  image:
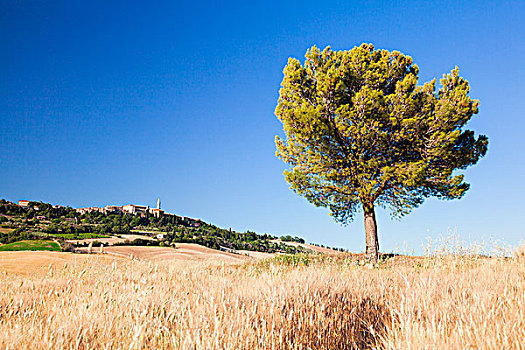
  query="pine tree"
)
[{"x": 360, "y": 133}]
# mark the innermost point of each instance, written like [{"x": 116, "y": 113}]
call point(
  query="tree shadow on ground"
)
[{"x": 335, "y": 321}]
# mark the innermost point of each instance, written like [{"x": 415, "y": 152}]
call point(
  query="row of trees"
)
[
  {"x": 215, "y": 237},
  {"x": 289, "y": 238},
  {"x": 217, "y": 242},
  {"x": 17, "y": 235}
]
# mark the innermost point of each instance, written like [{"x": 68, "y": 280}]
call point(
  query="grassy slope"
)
[{"x": 30, "y": 245}]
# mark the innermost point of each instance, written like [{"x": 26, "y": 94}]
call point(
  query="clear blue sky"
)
[{"x": 117, "y": 102}]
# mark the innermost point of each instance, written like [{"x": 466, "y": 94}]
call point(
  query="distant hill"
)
[{"x": 40, "y": 221}]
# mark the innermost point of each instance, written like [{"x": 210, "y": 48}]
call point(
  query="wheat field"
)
[{"x": 329, "y": 302}]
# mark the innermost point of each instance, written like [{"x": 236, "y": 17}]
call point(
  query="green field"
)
[
  {"x": 78, "y": 235},
  {"x": 30, "y": 245}
]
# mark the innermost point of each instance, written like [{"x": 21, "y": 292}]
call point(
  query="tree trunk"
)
[{"x": 372, "y": 242}]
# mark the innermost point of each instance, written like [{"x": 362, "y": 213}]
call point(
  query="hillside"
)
[{"x": 75, "y": 229}]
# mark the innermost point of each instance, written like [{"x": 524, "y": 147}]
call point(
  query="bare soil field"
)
[
  {"x": 111, "y": 240},
  {"x": 38, "y": 262},
  {"x": 105, "y": 241},
  {"x": 132, "y": 237},
  {"x": 183, "y": 251}
]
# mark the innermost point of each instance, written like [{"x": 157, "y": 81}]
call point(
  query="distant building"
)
[
  {"x": 158, "y": 213},
  {"x": 83, "y": 211},
  {"x": 135, "y": 209},
  {"x": 23, "y": 203},
  {"x": 113, "y": 209},
  {"x": 140, "y": 210}
]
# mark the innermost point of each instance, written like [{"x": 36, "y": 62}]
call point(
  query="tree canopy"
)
[{"x": 360, "y": 132}]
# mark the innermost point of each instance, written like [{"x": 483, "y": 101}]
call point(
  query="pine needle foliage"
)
[{"x": 360, "y": 132}]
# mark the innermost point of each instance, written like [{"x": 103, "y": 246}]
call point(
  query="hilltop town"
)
[
  {"x": 139, "y": 210},
  {"x": 131, "y": 224}
]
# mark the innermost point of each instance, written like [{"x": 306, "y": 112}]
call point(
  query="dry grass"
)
[
  {"x": 36, "y": 263},
  {"x": 519, "y": 254},
  {"x": 329, "y": 303}
]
